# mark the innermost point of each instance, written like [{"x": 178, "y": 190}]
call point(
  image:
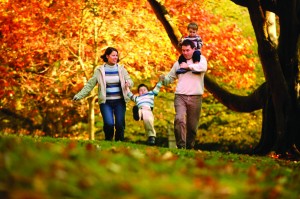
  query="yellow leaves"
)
[
  {"x": 174, "y": 26},
  {"x": 168, "y": 156},
  {"x": 19, "y": 105},
  {"x": 113, "y": 167}
]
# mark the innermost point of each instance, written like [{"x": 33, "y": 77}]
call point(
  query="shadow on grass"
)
[{"x": 221, "y": 147}]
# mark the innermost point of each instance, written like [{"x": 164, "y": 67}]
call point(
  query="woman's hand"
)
[{"x": 127, "y": 85}]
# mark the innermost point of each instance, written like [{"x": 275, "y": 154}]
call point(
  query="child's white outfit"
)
[{"x": 145, "y": 104}]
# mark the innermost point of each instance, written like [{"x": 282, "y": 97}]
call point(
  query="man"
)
[{"x": 188, "y": 95}]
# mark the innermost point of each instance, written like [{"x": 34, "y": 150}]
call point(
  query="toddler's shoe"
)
[
  {"x": 181, "y": 71},
  {"x": 135, "y": 112},
  {"x": 151, "y": 140}
]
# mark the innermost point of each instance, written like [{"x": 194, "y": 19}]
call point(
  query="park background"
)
[
  {"x": 48, "y": 53},
  {"x": 49, "y": 49}
]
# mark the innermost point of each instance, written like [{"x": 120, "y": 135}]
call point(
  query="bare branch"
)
[
  {"x": 241, "y": 3},
  {"x": 267, "y": 5},
  {"x": 235, "y": 102}
]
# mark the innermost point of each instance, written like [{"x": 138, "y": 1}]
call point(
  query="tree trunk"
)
[
  {"x": 91, "y": 117},
  {"x": 280, "y": 64}
]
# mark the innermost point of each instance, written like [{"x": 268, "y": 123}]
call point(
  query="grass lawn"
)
[{"x": 43, "y": 167}]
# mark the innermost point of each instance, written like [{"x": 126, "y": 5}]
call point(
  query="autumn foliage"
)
[
  {"x": 227, "y": 51},
  {"x": 50, "y": 48}
]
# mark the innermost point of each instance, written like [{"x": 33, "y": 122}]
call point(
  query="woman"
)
[{"x": 112, "y": 94}]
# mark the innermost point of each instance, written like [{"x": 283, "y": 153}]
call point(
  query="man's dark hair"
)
[
  {"x": 142, "y": 85},
  {"x": 187, "y": 42}
]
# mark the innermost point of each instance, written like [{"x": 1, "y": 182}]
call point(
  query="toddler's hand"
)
[
  {"x": 161, "y": 77},
  {"x": 127, "y": 84},
  {"x": 184, "y": 65}
]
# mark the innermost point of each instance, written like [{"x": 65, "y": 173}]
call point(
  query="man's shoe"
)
[
  {"x": 151, "y": 141},
  {"x": 181, "y": 71}
]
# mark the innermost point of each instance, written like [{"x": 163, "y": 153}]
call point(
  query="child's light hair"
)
[{"x": 193, "y": 26}]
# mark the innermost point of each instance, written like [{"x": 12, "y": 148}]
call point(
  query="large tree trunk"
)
[{"x": 280, "y": 67}]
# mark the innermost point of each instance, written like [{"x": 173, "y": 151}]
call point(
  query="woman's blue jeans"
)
[{"x": 113, "y": 113}]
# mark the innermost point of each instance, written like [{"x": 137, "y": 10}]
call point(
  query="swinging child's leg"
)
[{"x": 148, "y": 119}]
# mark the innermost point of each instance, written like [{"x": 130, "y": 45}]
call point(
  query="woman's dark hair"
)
[{"x": 108, "y": 51}]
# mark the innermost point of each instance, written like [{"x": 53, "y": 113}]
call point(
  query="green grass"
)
[{"x": 35, "y": 167}]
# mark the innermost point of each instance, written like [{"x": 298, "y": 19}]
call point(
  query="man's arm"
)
[
  {"x": 171, "y": 76},
  {"x": 200, "y": 66}
]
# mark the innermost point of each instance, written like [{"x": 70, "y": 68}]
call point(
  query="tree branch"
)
[
  {"x": 267, "y": 5},
  {"x": 163, "y": 16},
  {"x": 238, "y": 103},
  {"x": 241, "y": 3}
]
